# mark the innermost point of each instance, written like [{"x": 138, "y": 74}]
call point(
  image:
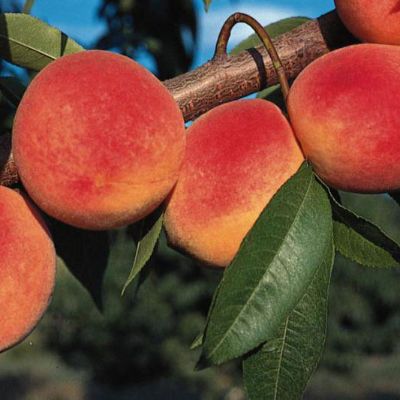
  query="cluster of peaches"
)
[{"x": 100, "y": 143}]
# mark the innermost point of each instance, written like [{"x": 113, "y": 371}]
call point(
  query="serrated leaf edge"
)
[{"x": 332, "y": 257}]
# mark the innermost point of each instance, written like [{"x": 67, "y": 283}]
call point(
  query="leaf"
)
[
  {"x": 85, "y": 253},
  {"x": 362, "y": 241},
  {"x": 273, "y": 94},
  {"x": 282, "y": 367},
  {"x": 357, "y": 248},
  {"x": 197, "y": 342},
  {"x": 275, "y": 29},
  {"x": 275, "y": 264},
  {"x": 206, "y": 4},
  {"x": 148, "y": 235},
  {"x": 12, "y": 89},
  {"x": 28, "y": 42}
]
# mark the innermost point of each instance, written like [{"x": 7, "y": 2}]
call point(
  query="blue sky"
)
[{"x": 77, "y": 18}]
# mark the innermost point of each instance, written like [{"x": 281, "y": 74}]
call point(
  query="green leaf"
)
[
  {"x": 275, "y": 29},
  {"x": 275, "y": 264},
  {"x": 197, "y": 342},
  {"x": 362, "y": 241},
  {"x": 206, "y": 4},
  {"x": 147, "y": 238},
  {"x": 270, "y": 91},
  {"x": 12, "y": 89},
  {"x": 356, "y": 247},
  {"x": 273, "y": 94},
  {"x": 282, "y": 367},
  {"x": 30, "y": 43}
]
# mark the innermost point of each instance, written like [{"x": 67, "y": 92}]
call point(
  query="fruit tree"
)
[{"x": 251, "y": 186}]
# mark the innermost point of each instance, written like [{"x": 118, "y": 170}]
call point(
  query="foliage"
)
[
  {"x": 268, "y": 372},
  {"x": 31, "y": 43},
  {"x": 275, "y": 29},
  {"x": 138, "y": 337},
  {"x": 274, "y": 266},
  {"x": 366, "y": 320},
  {"x": 135, "y": 27},
  {"x": 7, "y": 107},
  {"x": 145, "y": 234}
]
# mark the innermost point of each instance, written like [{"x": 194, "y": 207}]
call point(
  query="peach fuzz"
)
[
  {"x": 238, "y": 155},
  {"x": 27, "y": 268},
  {"x": 98, "y": 140},
  {"x": 371, "y": 21},
  {"x": 344, "y": 110}
]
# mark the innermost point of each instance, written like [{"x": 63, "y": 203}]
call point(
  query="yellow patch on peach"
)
[{"x": 238, "y": 155}]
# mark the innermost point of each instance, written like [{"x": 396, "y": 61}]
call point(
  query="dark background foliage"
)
[{"x": 165, "y": 29}]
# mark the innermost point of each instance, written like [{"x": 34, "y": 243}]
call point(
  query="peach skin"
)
[
  {"x": 238, "y": 155},
  {"x": 344, "y": 109},
  {"x": 27, "y": 268},
  {"x": 98, "y": 140},
  {"x": 371, "y": 21}
]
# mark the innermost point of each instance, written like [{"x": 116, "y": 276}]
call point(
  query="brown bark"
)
[
  {"x": 8, "y": 172},
  {"x": 228, "y": 78}
]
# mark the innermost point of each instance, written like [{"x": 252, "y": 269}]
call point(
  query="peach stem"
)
[{"x": 223, "y": 38}]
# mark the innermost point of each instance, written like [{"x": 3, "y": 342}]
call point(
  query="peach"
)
[
  {"x": 98, "y": 140},
  {"x": 371, "y": 21},
  {"x": 345, "y": 113},
  {"x": 237, "y": 156},
  {"x": 27, "y": 268}
]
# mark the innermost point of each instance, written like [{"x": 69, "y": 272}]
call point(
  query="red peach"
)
[
  {"x": 345, "y": 113},
  {"x": 98, "y": 140},
  {"x": 237, "y": 156},
  {"x": 371, "y": 21},
  {"x": 27, "y": 268}
]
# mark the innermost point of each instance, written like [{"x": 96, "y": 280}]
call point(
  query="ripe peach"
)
[
  {"x": 98, "y": 140},
  {"x": 237, "y": 156},
  {"x": 371, "y": 21},
  {"x": 345, "y": 113},
  {"x": 27, "y": 268}
]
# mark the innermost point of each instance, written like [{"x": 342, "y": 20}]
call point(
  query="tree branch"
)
[{"x": 227, "y": 78}]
